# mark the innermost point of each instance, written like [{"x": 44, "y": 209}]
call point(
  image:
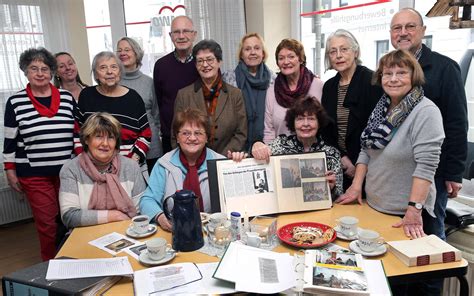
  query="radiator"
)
[{"x": 13, "y": 207}]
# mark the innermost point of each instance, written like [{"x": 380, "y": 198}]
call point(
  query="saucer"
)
[
  {"x": 152, "y": 228},
  {"x": 204, "y": 217},
  {"x": 145, "y": 259},
  {"x": 354, "y": 246},
  {"x": 342, "y": 236}
]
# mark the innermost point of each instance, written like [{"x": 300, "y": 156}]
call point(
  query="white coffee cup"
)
[
  {"x": 369, "y": 240},
  {"x": 156, "y": 248},
  {"x": 140, "y": 224},
  {"x": 348, "y": 225},
  {"x": 254, "y": 239}
]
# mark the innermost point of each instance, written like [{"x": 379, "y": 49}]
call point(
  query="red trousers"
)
[{"x": 42, "y": 194}]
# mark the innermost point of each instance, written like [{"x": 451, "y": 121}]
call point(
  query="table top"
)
[{"x": 77, "y": 245}]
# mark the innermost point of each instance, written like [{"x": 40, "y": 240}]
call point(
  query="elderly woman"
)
[
  {"x": 223, "y": 103},
  {"x": 293, "y": 82},
  {"x": 185, "y": 167},
  {"x": 253, "y": 78},
  {"x": 131, "y": 55},
  {"x": 39, "y": 124},
  {"x": 304, "y": 118},
  {"x": 123, "y": 103},
  {"x": 100, "y": 185},
  {"x": 67, "y": 77},
  {"x": 349, "y": 98},
  {"x": 400, "y": 146}
]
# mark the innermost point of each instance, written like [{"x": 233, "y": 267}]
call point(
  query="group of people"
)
[{"x": 396, "y": 136}]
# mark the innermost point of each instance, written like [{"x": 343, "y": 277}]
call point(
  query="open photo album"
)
[{"x": 288, "y": 183}]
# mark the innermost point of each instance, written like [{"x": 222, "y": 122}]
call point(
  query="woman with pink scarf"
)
[{"x": 100, "y": 185}]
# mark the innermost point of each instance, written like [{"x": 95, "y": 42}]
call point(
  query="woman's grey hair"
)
[
  {"x": 137, "y": 49},
  {"x": 104, "y": 55},
  {"x": 352, "y": 41},
  {"x": 37, "y": 54},
  {"x": 211, "y": 45}
]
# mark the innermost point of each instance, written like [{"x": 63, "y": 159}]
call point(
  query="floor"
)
[{"x": 19, "y": 246}]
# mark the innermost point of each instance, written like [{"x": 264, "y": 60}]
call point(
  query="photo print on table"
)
[
  {"x": 119, "y": 245},
  {"x": 313, "y": 168},
  {"x": 290, "y": 173},
  {"x": 315, "y": 191}
]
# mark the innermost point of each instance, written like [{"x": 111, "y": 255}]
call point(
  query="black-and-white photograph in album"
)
[
  {"x": 313, "y": 168},
  {"x": 260, "y": 181},
  {"x": 315, "y": 191},
  {"x": 290, "y": 173}
]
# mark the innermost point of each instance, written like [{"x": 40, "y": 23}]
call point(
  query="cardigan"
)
[
  {"x": 76, "y": 189},
  {"x": 413, "y": 151},
  {"x": 275, "y": 123},
  {"x": 37, "y": 145},
  {"x": 229, "y": 120},
  {"x": 143, "y": 85},
  {"x": 361, "y": 98}
]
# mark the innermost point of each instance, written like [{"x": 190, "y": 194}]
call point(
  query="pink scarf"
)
[{"x": 107, "y": 193}]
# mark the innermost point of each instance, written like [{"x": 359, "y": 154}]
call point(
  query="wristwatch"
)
[{"x": 417, "y": 205}]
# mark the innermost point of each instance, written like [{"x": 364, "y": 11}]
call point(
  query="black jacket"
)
[
  {"x": 444, "y": 86},
  {"x": 361, "y": 99}
]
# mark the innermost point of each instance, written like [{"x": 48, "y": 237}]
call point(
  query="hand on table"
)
[
  {"x": 331, "y": 179},
  {"x": 453, "y": 188},
  {"x": 164, "y": 222},
  {"x": 352, "y": 193},
  {"x": 412, "y": 223},
  {"x": 236, "y": 156},
  {"x": 261, "y": 151},
  {"x": 116, "y": 215}
]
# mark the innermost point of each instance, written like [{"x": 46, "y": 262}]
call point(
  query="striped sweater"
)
[
  {"x": 128, "y": 109},
  {"x": 37, "y": 145}
]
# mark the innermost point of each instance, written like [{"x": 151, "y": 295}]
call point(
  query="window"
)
[{"x": 382, "y": 48}]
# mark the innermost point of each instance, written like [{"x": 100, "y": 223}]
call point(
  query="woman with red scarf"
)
[
  {"x": 294, "y": 81},
  {"x": 39, "y": 126},
  {"x": 185, "y": 167},
  {"x": 223, "y": 103}
]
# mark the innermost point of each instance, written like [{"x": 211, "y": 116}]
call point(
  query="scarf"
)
[
  {"x": 42, "y": 109},
  {"x": 382, "y": 125},
  {"x": 210, "y": 98},
  {"x": 191, "y": 181},
  {"x": 254, "y": 90},
  {"x": 286, "y": 97},
  {"x": 107, "y": 193}
]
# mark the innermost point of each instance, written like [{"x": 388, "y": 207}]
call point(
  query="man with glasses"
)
[
  {"x": 173, "y": 72},
  {"x": 445, "y": 88}
]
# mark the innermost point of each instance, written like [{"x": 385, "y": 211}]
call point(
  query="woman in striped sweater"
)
[
  {"x": 39, "y": 125},
  {"x": 125, "y": 104}
]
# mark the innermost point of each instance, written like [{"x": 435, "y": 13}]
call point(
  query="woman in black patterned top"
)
[{"x": 304, "y": 119}]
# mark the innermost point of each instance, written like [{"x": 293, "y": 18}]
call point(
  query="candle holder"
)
[{"x": 266, "y": 227}]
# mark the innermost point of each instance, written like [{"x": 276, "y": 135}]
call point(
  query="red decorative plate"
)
[{"x": 285, "y": 234}]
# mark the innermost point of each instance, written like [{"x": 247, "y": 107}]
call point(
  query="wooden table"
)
[{"x": 77, "y": 246}]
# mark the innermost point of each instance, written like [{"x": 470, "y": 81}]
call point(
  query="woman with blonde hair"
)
[
  {"x": 294, "y": 82},
  {"x": 253, "y": 78}
]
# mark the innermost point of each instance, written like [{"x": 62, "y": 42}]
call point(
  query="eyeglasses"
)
[
  {"x": 126, "y": 50},
  {"x": 410, "y": 27},
  {"x": 398, "y": 75},
  {"x": 179, "y": 32},
  {"x": 343, "y": 50},
  {"x": 111, "y": 68},
  {"x": 209, "y": 61},
  {"x": 300, "y": 118},
  {"x": 44, "y": 70},
  {"x": 187, "y": 134}
]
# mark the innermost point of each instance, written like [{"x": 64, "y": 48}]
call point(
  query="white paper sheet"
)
[
  {"x": 159, "y": 280},
  {"x": 82, "y": 268},
  {"x": 114, "y": 243},
  {"x": 264, "y": 272},
  {"x": 378, "y": 283}
]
